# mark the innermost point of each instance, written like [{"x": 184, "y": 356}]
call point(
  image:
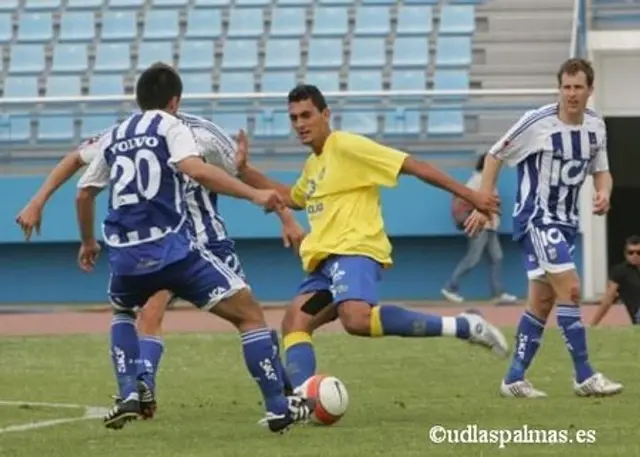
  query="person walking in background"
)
[{"x": 488, "y": 240}]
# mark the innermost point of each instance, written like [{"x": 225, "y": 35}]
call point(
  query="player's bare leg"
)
[
  {"x": 541, "y": 301},
  {"x": 306, "y": 313},
  {"x": 587, "y": 381},
  {"x": 244, "y": 312}
]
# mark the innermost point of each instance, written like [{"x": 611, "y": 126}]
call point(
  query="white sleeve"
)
[
  {"x": 219, "y": 150},
  {"x": 180, "y": 142},
  {"x": 97, "y": 174},
  {"x": 601, "y": 160},
  {"x": 518, "y": 142}
]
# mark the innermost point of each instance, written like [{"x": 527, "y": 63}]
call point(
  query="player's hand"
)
[
  {"x": 475, "y": 223},
  {"x": 88, "y": 255},
  {"x": 486, "y": 202},
  {"x": 601, "y": 203},
  {"x": 30, "y": 218},
  {"x": 269, "y": 199},
  {"x": 242, "y": 150},
  {"x": 292, "y": 235}
]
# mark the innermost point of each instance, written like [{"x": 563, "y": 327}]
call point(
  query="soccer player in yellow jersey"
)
[{"x": 347, "y": 249}]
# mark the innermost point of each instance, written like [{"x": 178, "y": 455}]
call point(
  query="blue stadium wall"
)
[{"x": 426, "y": 247}]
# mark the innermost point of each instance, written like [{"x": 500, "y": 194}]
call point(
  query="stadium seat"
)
[
  {"x": 93, "y": 124},
  {"x": 161, "y": 25},
  {"x": 272, "y": 124},
  {"x": 126, "y": 3},
  {"x": 415, "y": 20},
  {"x": 150, "y": 52},
  {"x": 69, "y": 58},
  {"x": 205, "y": 3},
  {"x": 56, "y": 127},
  {"x": 379, "y": 2},
  {"x": 453, "y": 51},
  {"x": 169, "y": 3},
  {"x": 240, "y": 54},
  {"x": 245, "y": 23},
  {"x": 361, "y": 122},
  {"x": 325, "y": 53},
  {"x": 364, "y": 80},
  {"x": 20, "y": 86},
  {"x": 408, "y": 80},
  {"x": 35, "y": 27},
  {"x": 421, "y": 2},
  {"x": 367, "y": 52},
  {"x": 77, "y": 26},
  {"x": 278, "y": 81},
  {"x": 324, "y": 3},
  {"x": 9, "y": 5},
  {"x": 195, "y": 55},
  {"x": 372, "y": 21},
  {"x": 402, "y": 122},
  {"x": 106, "y": 85},
  {"x": 451, "y": 80},
  {"x": 251, "y": 3},
  {"x": 231, "y": 122},
  {"x": 42, "y": 5},
  {"x": 410, "y": 52},
  {"x": 112, "y": 58},
  {"x": 6, "y": 29},
  {"x": 288, "y": 22},
  {"x": 445, "y": 122},
  {"x": 282, "y": 53},
  {"x": 457, "y": 20},
  {"x": 294, "y": 2},
  {"x": 19, "y": 130},
  {"x": 197, "y": 83},
  {"x": 204, "y": 23},
  {"x": 327, "y": 81},
  {"x": 119, "y": 26},
  {"x": 27, "y": 58},
  {"x": 84, "y": 4},
  {"x": 237, "y": 82},
  {"x": 330, "y": 21}
]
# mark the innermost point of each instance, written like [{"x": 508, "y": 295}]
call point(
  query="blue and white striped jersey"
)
[
  {"x": 552, "y": 160},
  {"x": 146, "y": 217},
  {"x": 217, "y": 148}
]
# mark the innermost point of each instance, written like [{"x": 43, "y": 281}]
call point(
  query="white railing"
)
[
  {"x": 573, "y": 51},
  {"x": 283, "y": 96}
]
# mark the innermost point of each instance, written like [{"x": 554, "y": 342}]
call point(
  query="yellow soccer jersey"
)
[{"x": 340, "y": 190}]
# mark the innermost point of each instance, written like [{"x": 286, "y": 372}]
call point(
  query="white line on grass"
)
[{"x": 90, "y": 412}]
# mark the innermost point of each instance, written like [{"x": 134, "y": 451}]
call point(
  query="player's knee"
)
[
  {"x": 125, "y": 313},
  {"x": 355, "y": 317},
  {"x": 575, "y": 294}
]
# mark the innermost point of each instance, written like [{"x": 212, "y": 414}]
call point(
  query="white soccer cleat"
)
[
  {"x": 520, "y": 389},
  {"x": 452, "y": 296},
  {"x": 597, "y": 386},
  {"x": 486, "y": 335}
]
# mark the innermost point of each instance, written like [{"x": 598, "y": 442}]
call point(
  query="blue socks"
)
[
  {"x": 528, "y": 336},
  {"x": 151, "y": 350},
  {"x": 300, "y": 357},
  {"x": 388, "y": 320},
  {"x": 576, "y": 340},
  {"x": 264, "y": 367},
  {"x": 125, "y": 354},
  {"x": 282, "y": 373}
]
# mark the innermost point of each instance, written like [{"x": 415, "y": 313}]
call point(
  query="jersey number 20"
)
[{"x": 124, "y": 193}]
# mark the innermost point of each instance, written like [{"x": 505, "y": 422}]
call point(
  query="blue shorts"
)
[
  {"x": 347, "y": 277},
  {"x": 548, "y": 249},
  {"x": 200, "y": 278}
]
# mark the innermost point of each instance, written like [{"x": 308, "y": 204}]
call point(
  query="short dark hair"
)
[
  {"x": 156, "y": 86},
  {"x": 633, "y": 240},
  {"x": 480, "y": 162},
  {"x": 308, "y": 92},
  {"x": 574, "y": 66}
]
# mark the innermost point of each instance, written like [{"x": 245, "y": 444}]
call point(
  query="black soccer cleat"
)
[
  {"x": 148, "y": 404},
  {"x": 300, "y": 410},
  {"x": 122, "y": 413}
]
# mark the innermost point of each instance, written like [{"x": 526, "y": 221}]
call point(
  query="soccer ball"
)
[{"x": 330, "y": 395}]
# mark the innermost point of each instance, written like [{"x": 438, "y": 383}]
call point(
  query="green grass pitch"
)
[{"x": 399, "y": 389}]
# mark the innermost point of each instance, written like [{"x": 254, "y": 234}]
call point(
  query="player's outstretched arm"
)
[
  {"x": 605, "y": 303},
  {"x": 255, "y": 178},
  {"x": 30, "y": 217},
  {"x": 219, "y": 181},
  {"x": 434, "y": 176}
]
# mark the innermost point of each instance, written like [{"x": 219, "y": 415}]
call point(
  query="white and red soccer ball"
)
[{"x": 330, "y": 395}]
